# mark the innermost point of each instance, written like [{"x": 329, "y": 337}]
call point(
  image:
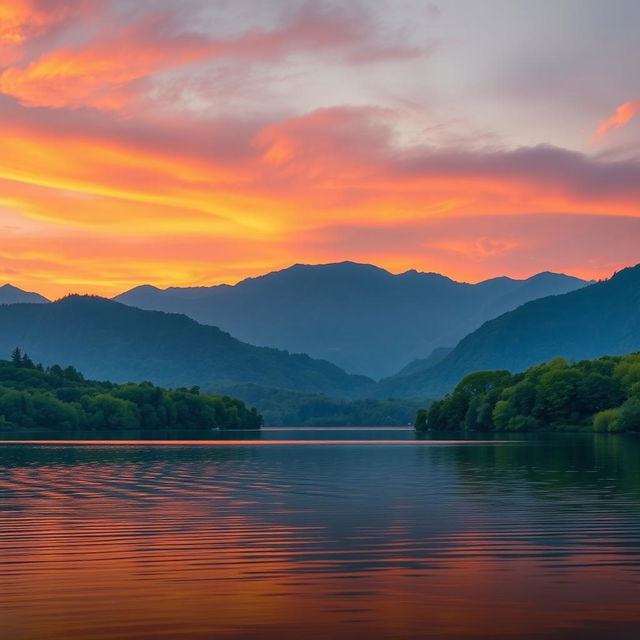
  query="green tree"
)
[
  {"x": 503, "y": 413},
  {"x": 106, "y": 411},
  {"x": 471, "y": 417},
  {"x": 27, "y": 362},
  {"x": 16, "y": 357},
  {"x": 557, "y": 396},
  {"x": 607, "y": 420},
  {"x": 484, "y": 381},
  {"x": 630, "y": 415},
  {"x": 421, "y": 423}
]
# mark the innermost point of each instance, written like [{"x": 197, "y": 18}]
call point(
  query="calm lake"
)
[{"x": 321, "y": 534}]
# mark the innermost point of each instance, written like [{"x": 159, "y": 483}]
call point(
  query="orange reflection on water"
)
[{"x": 241, "y": 546}]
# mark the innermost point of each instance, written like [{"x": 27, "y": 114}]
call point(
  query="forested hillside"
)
[
  {"x": 111, "y": 341},
  {"x": 53, "y": 398},
  {"x": 282, "y": 408}
]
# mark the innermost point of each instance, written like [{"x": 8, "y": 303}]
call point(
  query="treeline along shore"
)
[
  {"x": 599, "y": 395},
  {"x": 53, "y": 398}
]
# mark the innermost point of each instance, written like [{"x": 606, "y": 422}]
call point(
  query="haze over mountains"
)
[
  {"x": 601, "y": 319},
  {"x": 358, "y": 316},
  {"x": 111, "y": 341}
]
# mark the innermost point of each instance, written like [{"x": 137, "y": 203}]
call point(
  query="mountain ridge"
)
[
  {"x": 109, "y": 340},
  {"x": 359, "y": 316},
  {"x": 9, "y": 294},
  {"x": 600, "y": 319}
]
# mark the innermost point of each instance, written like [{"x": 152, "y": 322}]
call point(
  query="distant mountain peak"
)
[
  {"x": 357, "y": 315},
  {"x": 500, "y": 279},
  {"x": 550, "y": 275},
  {"x": 627, "y": 272},
  {"x": 431, "y": 275},
  {"x": 344, "y": 265},
  {"x": 85, "y": 301},
  {"x": 142, "y": 288},
  {"x": 583, "y": 323},
  {"x": 10, "y": 294},
  {"x": 81, "y": 296}
]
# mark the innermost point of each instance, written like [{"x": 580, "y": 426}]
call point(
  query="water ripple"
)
[{"x": 468, "y": 540}]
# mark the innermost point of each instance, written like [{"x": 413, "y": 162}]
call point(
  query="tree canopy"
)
[
  {"x": 602, "y": 394},
  {"x": 284, "y": 408},
  {"x": 62, "y": 399}
]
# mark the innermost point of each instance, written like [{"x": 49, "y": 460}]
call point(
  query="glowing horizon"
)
[
  {"x": 205, "y": 143},
  {"x": 63, "y": 289}
]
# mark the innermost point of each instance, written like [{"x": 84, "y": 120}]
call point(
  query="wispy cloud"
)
[
  {"x": 123, "y": 152},
  {"x": 108, "y": 71},
  {"x": 623, "y": 114}
]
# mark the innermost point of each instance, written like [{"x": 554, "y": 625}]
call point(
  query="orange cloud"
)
[
  {"x": 101, "y": 204},
  {"x": 100, "y": 74},
  {"x": 16, "y": 18},
  {"x": 623, "y": 114},
  {"x": 108, "y": 71},
  {"x": 326, "y": 165},
  {"x": 23, "y": 21},
  {"x": 95, "y": 201}
]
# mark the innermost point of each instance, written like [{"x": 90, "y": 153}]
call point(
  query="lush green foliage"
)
[
  {"x": 421, "y": 423},
  {"x": 282, "y": 408},
  {"x": 61, "y": 399},
  {"x": 601, "y": 394}
]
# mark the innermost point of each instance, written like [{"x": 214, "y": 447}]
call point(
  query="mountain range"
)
[
  {"x": 601, "y": 319},
  {"x": 358, "y": 316},
  {"x": 111, "y": 341}
]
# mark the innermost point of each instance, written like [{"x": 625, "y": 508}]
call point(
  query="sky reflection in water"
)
[{"x": 534, "y": 539}]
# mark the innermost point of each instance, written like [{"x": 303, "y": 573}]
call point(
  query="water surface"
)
[{"x": 321, "y": 534}]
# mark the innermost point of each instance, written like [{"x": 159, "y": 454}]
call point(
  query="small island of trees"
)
[
  {"x": 599, "y": 395},
  {"x": 53, "y": 398}
]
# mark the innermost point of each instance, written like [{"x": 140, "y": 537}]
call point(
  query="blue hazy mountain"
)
[
  {"x": 422, "y": 364},
  {"x": 12, "y": 295},
  {"x": 358, "y": 316},
  {"x": 111, "y": 341},
  {"x": 601, "y": 319}
]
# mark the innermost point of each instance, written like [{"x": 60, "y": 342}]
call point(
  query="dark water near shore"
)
[{"x": 321, "y": 534}]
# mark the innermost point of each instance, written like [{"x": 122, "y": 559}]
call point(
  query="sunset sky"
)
[{"x": 191, "y": 142}]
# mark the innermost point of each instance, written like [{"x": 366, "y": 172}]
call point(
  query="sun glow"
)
[{"x": 109, "y": 175}]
